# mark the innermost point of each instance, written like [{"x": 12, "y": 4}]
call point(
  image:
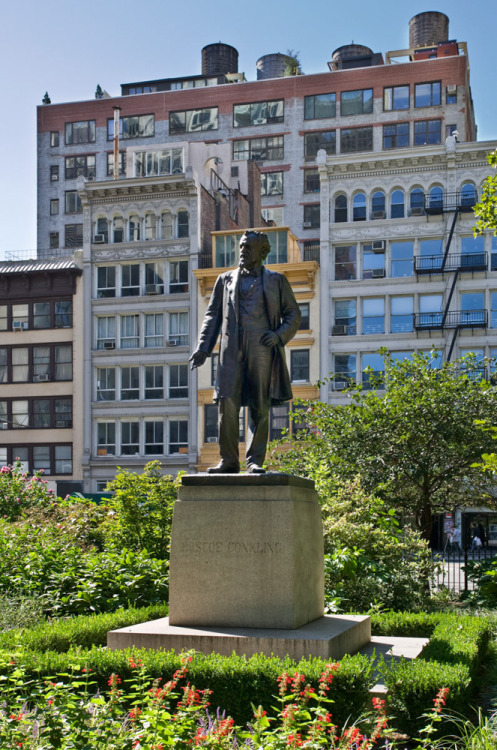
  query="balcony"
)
[
  {"x": 424, "y": 264},
  {"x": 453, "y": 319},
  {"x": 311, "y": 251}
]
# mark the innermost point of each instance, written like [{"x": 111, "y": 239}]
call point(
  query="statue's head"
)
[{"x": 254, "y": 248}]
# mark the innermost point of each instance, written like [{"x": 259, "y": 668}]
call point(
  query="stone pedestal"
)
[{"x": 246, "y": 552}]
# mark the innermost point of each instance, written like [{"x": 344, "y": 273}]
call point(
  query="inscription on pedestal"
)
[{"x": 234, "y": 548}]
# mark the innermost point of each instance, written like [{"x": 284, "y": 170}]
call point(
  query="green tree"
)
[
  {"x": 486, "y": 209},
  {"x": 413, "y": 441},
  {"x": 99, "y": 92}
]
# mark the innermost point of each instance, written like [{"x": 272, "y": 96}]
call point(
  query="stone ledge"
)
[{"x": 271, "y": 478}]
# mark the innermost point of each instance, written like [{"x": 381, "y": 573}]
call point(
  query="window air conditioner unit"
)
[
  {"x": 19, "y": 325},
  {"x": 379, "y": 214},
  {"x": 109, "y": 344},
  {"x": 378, "y": 273},
  {"x": 153, "y": 289},
  {"x": 40, "y": 378},
  {"x": 452, "y": 90},
  {"x": 378, "y": 246},
  {"x": 307, "y": 224},
  {"x": 99, "y": 238},
  {"x": 212, "y": 440},
  {"x": 338, "y": 331},
  {"x": 4, "y": 425},
  {"x": 62, "y": 423},
  {"x": 173, "y": 342},
  {"x": 339, "y": 385},
  {"x": 417, "y": 211}
]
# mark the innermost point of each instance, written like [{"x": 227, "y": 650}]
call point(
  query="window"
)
[
  {"x": 319, "y": 106},
  {"x": 449, "y": 130},
  {"x": 178, "y": 436},
  {"x": 373, "y": 368},
  {"x": 41, "y": 315},
  {"x": 154, "y": 438},
  {"x": 341, "y": 208},
  {"x": 472, "y": 308},
  {"x": 76, "y": 166},
  {"x": 154, "y": 329},
  {"x": 130, "y": 438},
  {"x": 397, "y": 204},
  {"x": 493, "y": 309},
  {"x": 311, "y": 181},
  {"x": 356, "y": 139},
  {"x": 150, "y": 226},
  {"x": 312, "y": 216},
  {"x": 325, "y": 139},
  {"x": 178, "y": 329},
  {"x": 122, "y": 164},
  {"x": 53, "y": 240},
  {"x": 468, "y": 195},
  {"x": 227, "y": 250},
  {"x": 436, "y": 199},
  {"x": 182, "y": 224},
  {"x": 473, "y": 251},
  {"x": 106, "y": 384},
  {"x": 178, "y": 276},
  {"x": 257, "y": 113},
  {"x": 373, "y": 315},
  {"x": 378, "y": 205},
  {"x": 63, "y": 362},
  {"x": 164, "y": 161},
  {"x": 279, "y": 421},
  {"x": 279, "y": 247},
  {"x": 130, "y": 383},
  {"x": 166, "y": 223},
  {"x": 54, "y": 138},
  {"x": 451, "y": 95},
  {"x": 493, "y": 254},
  {"x": 130, "y": 280},
  {"x": 427, "y": 132},
  {"x": 20, "y": 316},
  {"x": 214, "y": 366},
  {"x": 41, "y": 412},
  {"x": 305, "y": 323},
  {"x": 106, "y": 438},
  {"x": 73, "y": 235},
  {"x": 345, "y": 318},
  {"x": 193, "y": 120},
  {"x": 211, "y": 430},
  {"x": 54, "y": 173},
  {"x": 259, "y": 149},
  {"x": 417, "y": 202},
  {"x": 41, "y": 458},
  {"x": 41, "y": 363},
  {"x": 402, "y": 258},
  {"x": 130, "y": 331},
  {"x": 63, "y": 412},
  {"x": 118, "y": 229},
  {"x": 395, "y": 97},
  {"x": 402, "y": 309},
  {"x": 430, "y": 311},
  {"x": 396, "y": 136},
  {"x": 178, "y": 381},
  {"x": 20, "y": 414},
  {"x": 272, "y": 183},
  {"x": 359, "y": 207},
  {"x": 154, "y": 382},
  {"x": 344, "y": 370},
  {"x": 345, "y": 263},
  {"x": 73, "y": 202},
  {"x": 83, "y": 131},
  {"x": 106, "y": 332},
  {"x": 373, "y": 262},
  {"x": 154, "y": 281},
  {"x": 427, "y": 94},
  {"x": 4, "y": 373},
  {"x": 134, "y": 226},
  {"x": 106, "y": 281},
  {"x": 135, "y": 126},
  {"x": 3, "y": 317},
  {"x": 430, "y": 254},
  {"x": 54, "y": 206},
  {"x": 299, "y": 365},
  {"x": 358, "y": 102}
]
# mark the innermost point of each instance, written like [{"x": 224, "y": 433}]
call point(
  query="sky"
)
[{"x": 67, "y": 48}]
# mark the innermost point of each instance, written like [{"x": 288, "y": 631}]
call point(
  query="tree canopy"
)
[
  {"x": 413, "y": 439},
  {"x": 486, "y": 209}
]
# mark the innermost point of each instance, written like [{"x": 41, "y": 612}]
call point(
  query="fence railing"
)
[{"x": 452, "y": 566}]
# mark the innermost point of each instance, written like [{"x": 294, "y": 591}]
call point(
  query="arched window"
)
[
  {"x": 101, "y": 230},
  {"x": 118, "y": 229},
  {"x": 150, "y": 226},
  {"x": 436, "y": 199},
  {"x": 378, "y": 204},
  {"x": 341, "y": 208},
  {"x": 166, "y": 225},
  {"x": 359, "y": 207},
  {"x": 397, "y": 204},
  {"x": 134, "y": 228},
  {"x": 468, "y": 195},
  {"x": 417, "y": 202},
  {"x": 183, "y": 229}
]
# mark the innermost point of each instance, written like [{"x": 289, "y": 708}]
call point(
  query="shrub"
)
[
  {"x": 19, "y": 612},
  {"x": 18, "y": 491}
]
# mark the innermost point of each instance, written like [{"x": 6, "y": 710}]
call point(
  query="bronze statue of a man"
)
[{"x": 256, "y": 313}]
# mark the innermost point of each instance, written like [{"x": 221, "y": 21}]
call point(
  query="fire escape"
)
[{"x": 452, "y": 265}]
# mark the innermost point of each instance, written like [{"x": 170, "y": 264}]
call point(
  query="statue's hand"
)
[
  {"x": 197, "y": 359},
  {"x": 270, "y": 338}
]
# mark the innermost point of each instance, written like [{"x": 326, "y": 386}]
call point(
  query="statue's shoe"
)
[
  {"x": 224, "y": 468},
  {"x": 255, "y": 469}
]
